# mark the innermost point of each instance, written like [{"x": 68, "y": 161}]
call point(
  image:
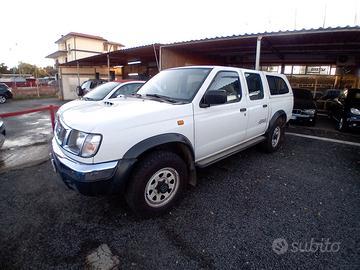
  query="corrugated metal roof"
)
[{"x": 272, "y": 33}]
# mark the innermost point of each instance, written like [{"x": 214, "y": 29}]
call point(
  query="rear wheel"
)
[
  {"x": 2, "y": 99},
  {"x": 275, "y": 136},
  {"x": 156, "y": 184}
]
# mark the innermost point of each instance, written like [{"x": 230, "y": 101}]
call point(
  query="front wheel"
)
[
  {"x": 274, "y": 137},
  {"x": 2, "y": 99},
  {"x": 341, "y": 126},
  {"x": 156, "y": 184}
]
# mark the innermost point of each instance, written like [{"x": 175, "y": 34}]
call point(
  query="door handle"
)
[
  {"x": 243, "y": 110},
  {"x": 265, "y": 105}
]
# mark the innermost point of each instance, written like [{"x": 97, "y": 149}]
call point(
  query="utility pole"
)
[{"x": 325, "y": 15}]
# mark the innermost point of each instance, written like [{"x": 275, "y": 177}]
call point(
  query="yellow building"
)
[{"x": 75, "y": 46}]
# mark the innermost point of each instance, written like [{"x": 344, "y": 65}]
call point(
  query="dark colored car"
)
[
  {"x": 87, "y": 86},
  {"x": 2, "y": 132},
  {"x": 5, "y": 93},
  {"x": 345, "y": 109},
  {"x": 304, "y": 107},
  {"x": 325, "y": 99}
]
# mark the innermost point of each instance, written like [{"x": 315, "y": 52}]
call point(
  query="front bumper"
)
[
  {"x": 91, "y": 179},
  {"x": 302, "y": 117},
  {"x": 353, "y": 122}
]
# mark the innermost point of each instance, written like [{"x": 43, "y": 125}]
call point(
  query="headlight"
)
[
  {"x": 311, "y": 112},
  {"x": 91, "y": 145},
  {"x": 355, "y": 111},
  {"x": 83, "y": 144}
]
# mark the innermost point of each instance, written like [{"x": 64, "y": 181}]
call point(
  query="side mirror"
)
[
  {"x": 214, "y": 97},
  {"x": 79, "y": 91}
]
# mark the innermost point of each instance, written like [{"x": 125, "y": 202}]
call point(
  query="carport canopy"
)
[
  {"x": 145, "y": 54},
  {"x": 334, "y": 46},
  {"x": 314, "y": 46}
]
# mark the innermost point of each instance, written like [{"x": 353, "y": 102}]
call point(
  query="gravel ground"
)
[{"x": 229, "y": 221}]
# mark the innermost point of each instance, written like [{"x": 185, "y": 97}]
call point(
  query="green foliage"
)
[
  {"x": 4, "y": 69},
  {"x": 26, "y": 68}
]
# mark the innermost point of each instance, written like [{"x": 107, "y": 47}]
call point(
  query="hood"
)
[
  {"x": 304, "y": 104},
  {"x": 71, "y": 104},
  {"x": 128, "y": 112}
]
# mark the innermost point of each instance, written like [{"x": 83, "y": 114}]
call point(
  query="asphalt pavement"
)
[{"x": 293, "y": 209}]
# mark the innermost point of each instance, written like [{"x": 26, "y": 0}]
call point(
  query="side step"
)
[{"x": 228, "y": 152}]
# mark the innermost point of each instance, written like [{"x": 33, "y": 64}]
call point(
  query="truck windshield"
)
[
  {"x": 101, "y": 91},
  {"x": 179, "y": 85}
]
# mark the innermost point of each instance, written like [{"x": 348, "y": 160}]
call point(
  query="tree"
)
[{"x": 4, "y": 69}]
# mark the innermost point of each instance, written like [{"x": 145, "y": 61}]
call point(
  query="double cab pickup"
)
[{"x": 148, "y": 145}]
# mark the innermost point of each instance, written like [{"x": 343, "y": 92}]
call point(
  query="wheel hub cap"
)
[
  {"x": 161, "y": 187},
  {"x": 275, "y": 137}
]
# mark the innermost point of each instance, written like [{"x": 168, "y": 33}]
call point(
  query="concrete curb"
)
[{"x": 24, "y": 157}]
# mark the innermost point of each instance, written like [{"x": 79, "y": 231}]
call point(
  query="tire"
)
[
  {"x": 2, "y": 99},
  {"x": 167, "y": 190},
  {"x": 275, "y": 136},
  {"x": 341, "y": 125}
]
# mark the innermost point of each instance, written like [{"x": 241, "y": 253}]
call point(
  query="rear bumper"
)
[{"x": 91, "y": 179}]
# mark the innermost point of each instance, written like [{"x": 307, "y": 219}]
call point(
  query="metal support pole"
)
[
  {"x": 78, "y": 75},
  {"x": 108, "y": 65},
  {"x": 258, "y": 49}
]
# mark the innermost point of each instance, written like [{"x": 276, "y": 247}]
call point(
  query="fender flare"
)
[
  {"x": 135, "y": 151},
  {"x": 273, "y": 119}
]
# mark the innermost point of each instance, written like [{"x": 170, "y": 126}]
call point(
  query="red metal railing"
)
[{"x": 52, "y": 110}]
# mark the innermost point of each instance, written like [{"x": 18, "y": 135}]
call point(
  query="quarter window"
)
[
  {"x": 277, "y": 85},
  {"x": 255, "y": 86},
  {"x": 229, "y": 82}
]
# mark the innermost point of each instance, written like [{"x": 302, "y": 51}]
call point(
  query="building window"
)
[
  {"x": 106, "y": 47},
  {"x": 298, "y": 70},
  {"x": 288, "y": 70}
]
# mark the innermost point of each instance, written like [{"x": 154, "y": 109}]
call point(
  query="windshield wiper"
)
[{"x": 165, "y": 98}]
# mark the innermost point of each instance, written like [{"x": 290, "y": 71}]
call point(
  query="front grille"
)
[{"x": 60, "y": 133}]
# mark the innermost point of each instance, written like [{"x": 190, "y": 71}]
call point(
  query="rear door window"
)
[
  {"x": 255, "y": 86},
  {"x": 277, "y": 85}
]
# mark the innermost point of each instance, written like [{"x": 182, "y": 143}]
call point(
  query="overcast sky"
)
[{"x": 29, "y": 28}]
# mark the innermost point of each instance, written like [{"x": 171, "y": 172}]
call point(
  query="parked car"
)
[
  {"x": 87, "y": 86},
  {"x": 53, "y": 83},
  {"x": 324, "y": 100},
  {"x": 5, "y": 93},
  {"x": 317, "y": 94},
  {"x": 345, "y": 109},
  {"x": 148, "y": 145},
  {"x": 304, "y": 107},
  {"x": 106, "y": 90},
  {"x": 2, "y": 132}
]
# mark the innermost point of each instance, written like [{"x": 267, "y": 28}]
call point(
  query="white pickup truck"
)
[{"x": 147, "y": 146}]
